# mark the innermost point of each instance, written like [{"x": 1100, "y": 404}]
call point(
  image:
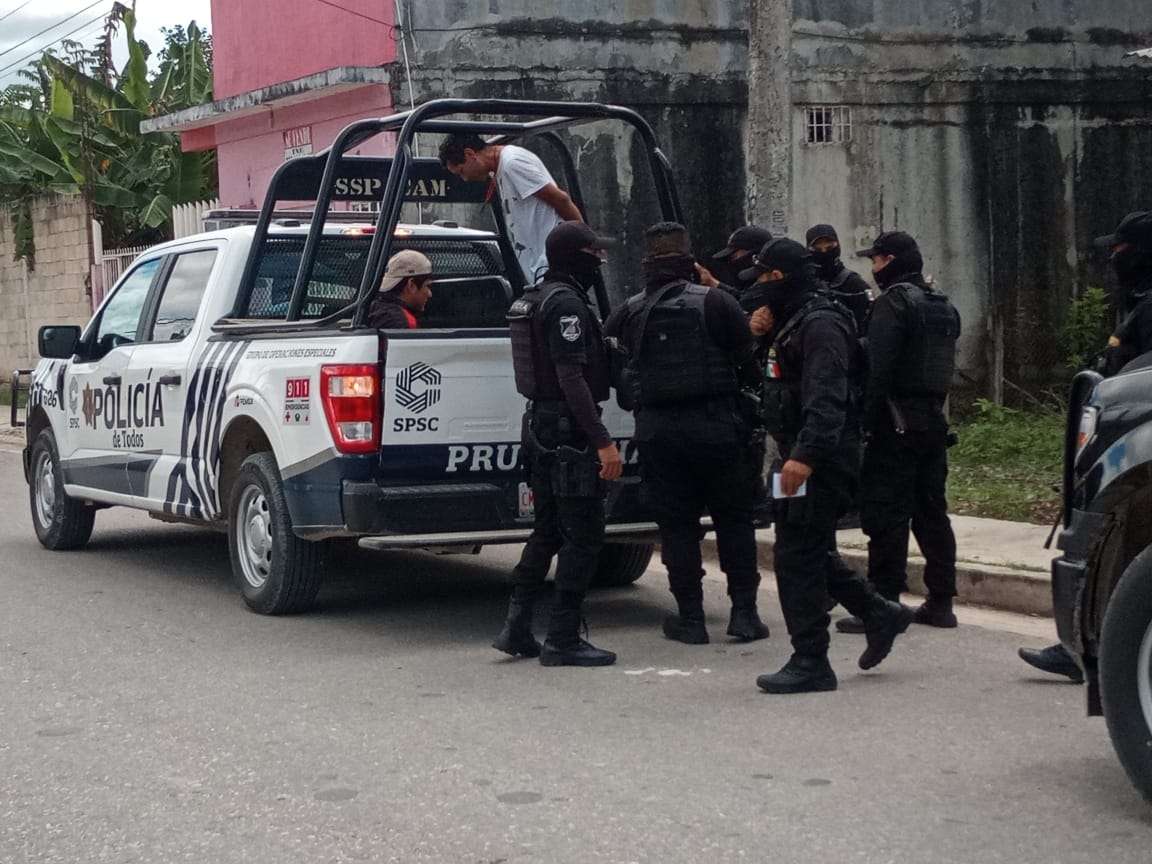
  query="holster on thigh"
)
[{"x": 575, "y": 473}]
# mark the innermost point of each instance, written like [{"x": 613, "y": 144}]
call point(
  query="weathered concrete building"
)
[{"x": 1003, "y": 133}]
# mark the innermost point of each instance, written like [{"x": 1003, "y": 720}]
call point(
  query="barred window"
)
[{"x": 829, "y": 124}]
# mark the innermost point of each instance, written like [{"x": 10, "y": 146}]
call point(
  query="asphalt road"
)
[{"x": 147, "y": 716}]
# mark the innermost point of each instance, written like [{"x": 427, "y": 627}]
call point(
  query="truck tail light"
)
[
  {"x": 1087, "y": 429},
  {"x": 352, "y": 405}
]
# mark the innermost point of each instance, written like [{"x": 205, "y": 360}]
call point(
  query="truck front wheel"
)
[
  {"x": 61, "y": 522},
  {"x": 278, "y": 573},
  {"x": 1125, "y": 666},
  {"x": 621, "y": 564}
]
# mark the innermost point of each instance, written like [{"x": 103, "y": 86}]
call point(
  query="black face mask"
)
[
  {"x": 580, "y": 265},
  {"x": 669, "y": 268},
  {"x": 885, "y": 276},
  {"x": 784, "y": 296},
  {"x": 1132, "y": 266},
  {"x": 727, "y": 271},
  {"x": 826, "y": 261}
]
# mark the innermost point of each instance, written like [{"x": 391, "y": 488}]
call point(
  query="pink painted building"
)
[{"x": 288, "y": 76}]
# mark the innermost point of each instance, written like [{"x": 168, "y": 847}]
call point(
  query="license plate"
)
[{"x": 527, "y": 502}]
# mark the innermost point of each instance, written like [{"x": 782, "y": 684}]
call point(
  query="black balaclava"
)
[
  {"x": 907, "y": 263},
  {"x": 828, "y": 262},
  {"x": 669, "y": 255},
  {"x": 728, "y": 271},
  {"x": 581, "y": 266},
  {"x": 1133, "y": 264},
  {"x": 564, "y": 247},
  {"x": 786, "y": 295}
]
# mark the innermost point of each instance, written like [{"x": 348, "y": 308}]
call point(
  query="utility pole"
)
[{"x": 768, "y": 145}]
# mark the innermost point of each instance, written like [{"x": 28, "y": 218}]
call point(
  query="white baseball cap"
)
[{"x": 403, "y": 265}]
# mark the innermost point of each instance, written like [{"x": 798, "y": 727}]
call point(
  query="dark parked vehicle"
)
[{"x": 1102, "y": 584}]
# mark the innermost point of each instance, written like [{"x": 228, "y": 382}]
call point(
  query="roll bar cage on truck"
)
[{"x": 229, "y": 379}]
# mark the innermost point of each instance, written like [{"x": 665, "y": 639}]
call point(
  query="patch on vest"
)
[{"x": 570, "y": 327}]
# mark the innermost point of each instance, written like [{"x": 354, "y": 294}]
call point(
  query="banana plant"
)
[{"x": 78, "y": 130}]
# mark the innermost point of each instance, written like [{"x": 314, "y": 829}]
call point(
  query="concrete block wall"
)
[{"x": 53, "y": 291}]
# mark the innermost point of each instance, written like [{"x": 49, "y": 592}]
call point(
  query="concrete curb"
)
[{"x": 1027, "y": 592}]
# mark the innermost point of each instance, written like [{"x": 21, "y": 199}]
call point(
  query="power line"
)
[
  {"x": 53, "y": 27},
  {"x": 43, "y": 48},
  {"x": 14, "y": 11},
  {"x": 354, "y": 12}
]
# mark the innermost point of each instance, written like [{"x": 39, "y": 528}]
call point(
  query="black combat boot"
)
[
  {"x": 851, "y": 624},
  {"x": 801, "y": 674},
  {"x": 1054, "y": 659},
  {"x": 563, "y": 645},
  {"x": 887, "y": 621},
  {"x": 744, "y": 623},
  {"x": 687, "y": 628},
  {"x": 855, "y": 624},
  {"x": 516, "y": 638},
  {"x": 935, "y": 612}
]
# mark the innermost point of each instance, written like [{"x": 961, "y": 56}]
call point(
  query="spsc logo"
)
[{"x": 417, "y": 387}]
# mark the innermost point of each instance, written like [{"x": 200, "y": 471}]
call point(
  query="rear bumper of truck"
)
[{"x": 470, "y": 513}]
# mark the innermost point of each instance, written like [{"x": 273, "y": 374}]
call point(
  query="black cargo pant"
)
[
  {"x": 808, "y": 569},
  {"x": 569, "y": 513},
  {"x": 903, "y": 480},
  {"x": 694, "y": 460}
]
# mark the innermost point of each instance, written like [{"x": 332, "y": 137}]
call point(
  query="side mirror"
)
[{"x": 58, "y": 341}]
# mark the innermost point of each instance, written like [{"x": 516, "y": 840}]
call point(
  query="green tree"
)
[{"x": 75, "y": 127}]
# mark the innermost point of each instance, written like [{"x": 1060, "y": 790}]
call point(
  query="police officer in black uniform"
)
[
  {"x": 689, "y": 357},
  {"x": 911, "y": 349},
  {"x": 810, "y": 408},
  {"x": 1131, "y": 245},
  {"x": 562, "y": 368},
  {"x": 846, "y": 286},
  {"x": 727, "y": 264}
]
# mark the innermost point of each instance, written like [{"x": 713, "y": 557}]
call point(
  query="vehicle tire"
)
[
  {"x": 61, "y": 522},
  {"x": 278, "y": 573},
  {"x": 621, "y": 564},
  {"x": 1125, "y": 667}
]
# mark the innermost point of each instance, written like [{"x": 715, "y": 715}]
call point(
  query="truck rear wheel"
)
[
  {"x": 61, "y": 522},
  {"x": 621, "y": 564},
  {"x": 278, "y": 573},
  {"x": 1125, "y": 667}
]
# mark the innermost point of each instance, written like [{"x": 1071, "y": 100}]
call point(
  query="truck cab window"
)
[
  {"x": 180, "y": 299},
  {"x": 120, "y": 317}
]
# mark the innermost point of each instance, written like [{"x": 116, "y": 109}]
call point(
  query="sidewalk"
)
[
  {"x": 8, "y": 435},
  {"x": 1002, "y": 565}
]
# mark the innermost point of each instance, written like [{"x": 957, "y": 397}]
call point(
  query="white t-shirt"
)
[{"x": 519, "y": 176}]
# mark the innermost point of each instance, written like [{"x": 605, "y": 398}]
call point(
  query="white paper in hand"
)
[{"x": 777, "y": 492}]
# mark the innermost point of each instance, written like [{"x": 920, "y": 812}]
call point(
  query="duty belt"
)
[{"x": 552, "y": 406}]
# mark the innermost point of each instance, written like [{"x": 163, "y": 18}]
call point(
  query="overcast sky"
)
[{"x": 59, "y": 18}]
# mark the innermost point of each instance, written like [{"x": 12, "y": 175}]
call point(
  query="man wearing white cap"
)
[{"x": 404, "y": 292}]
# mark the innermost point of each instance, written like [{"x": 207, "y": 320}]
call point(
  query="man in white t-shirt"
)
[{"x": 532, "y": 202}]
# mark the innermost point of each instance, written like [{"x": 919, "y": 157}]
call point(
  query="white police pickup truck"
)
[{"x": 228, "y": 378}]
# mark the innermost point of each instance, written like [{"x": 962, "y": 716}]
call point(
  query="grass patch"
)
[
  {"x": 1006, "y": 463},
  {"x": 6, "y": 396}
]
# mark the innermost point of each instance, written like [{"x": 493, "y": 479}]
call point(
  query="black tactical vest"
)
[
  {"x": 673, "y": 358},
  {"x": 531, "y": 362},
  {"x": 928, "y": 360},
  {"x": 784, "y": 365}
]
